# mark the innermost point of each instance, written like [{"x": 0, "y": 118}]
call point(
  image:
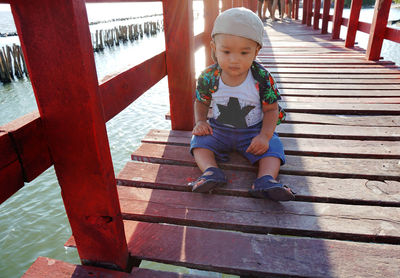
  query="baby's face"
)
[{"x": 234, "y": 55}]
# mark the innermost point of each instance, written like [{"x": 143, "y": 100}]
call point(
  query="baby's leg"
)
[
  {"x": 204, "y": 158},
  {"x": 269, "y": 165}
]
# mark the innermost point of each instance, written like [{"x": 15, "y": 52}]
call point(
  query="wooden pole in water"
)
[
  {"x": 179, "y": 48},
  {"x": 67, "y": 92}
]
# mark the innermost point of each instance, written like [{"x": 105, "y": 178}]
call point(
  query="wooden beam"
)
[
  {"x": 178, "y": 28},
  {"x": 352, "y": 26},
  {"x": 325, "y": 16},
  {"x": 317, "y": 14},
  {"x": 378, "y": 29},
  {"x": 65, "y": 84},
  {"x": 118, "y": 91},
  {"x": 337, "y": 19}
]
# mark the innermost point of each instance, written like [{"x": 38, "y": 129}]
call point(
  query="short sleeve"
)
[
  {"x": 207, "y": 83},
  {"x": 270, "y": 93}
]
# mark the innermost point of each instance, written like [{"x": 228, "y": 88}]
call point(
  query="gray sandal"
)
[{"x": 210, "y": 179}]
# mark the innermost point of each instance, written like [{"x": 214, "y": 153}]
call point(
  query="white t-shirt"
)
[{"x": 239, "y": 106}]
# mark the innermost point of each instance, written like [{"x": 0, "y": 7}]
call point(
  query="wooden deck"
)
[{"x": 341, "y": 138}]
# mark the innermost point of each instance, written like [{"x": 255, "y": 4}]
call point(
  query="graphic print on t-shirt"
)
[{"x": 232, "y": 114}]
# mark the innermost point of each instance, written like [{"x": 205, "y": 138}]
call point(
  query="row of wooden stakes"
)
[
  {"x": 12, "y": 63},
  {"x": 124, "y": 33}
]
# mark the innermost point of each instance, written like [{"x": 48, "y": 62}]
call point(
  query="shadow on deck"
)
[{"x": 341, "y": 139}]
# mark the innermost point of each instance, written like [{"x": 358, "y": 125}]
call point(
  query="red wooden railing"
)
[
  {"x": 69, "y": 130},
  {"x": 378, "y": 30}
]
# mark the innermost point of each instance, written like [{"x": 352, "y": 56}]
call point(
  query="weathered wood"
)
[
  {"x": 306, "y": 257},
  {"x": 360, "y": 223},
  {"x": 46, "y": 267},
  {"x": 260, "y": 255},
  {"x": 325, "y": 16},
  {"x": 323, "y": 61},
  {"x": 353, "y": 191},
  {"x": 29, "y": 143},
  {"x": 360, "y": 93},
  {"x": 73, "y": 122},
  {"x": 301, "y": 146},
  {"x": 341, "y": 108},
  {"x": 307, "y": 99},
  {"x": 380, "y": 169},
  {"x": 350, "y": 120},
  {"x": 307, "y": 188}
]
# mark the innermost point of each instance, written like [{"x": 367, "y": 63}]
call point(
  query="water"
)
[{"x": 33, "y": 222}]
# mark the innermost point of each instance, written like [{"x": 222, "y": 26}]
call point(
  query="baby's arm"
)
[
  {"x": 260, "y": 143},
  {"x": 200, "y": 115}
]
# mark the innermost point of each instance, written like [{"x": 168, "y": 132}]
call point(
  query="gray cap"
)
[{"x": 240, "y": 22}]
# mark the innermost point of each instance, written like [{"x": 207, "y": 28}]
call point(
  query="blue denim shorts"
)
[{"x": 226, "y": 139}]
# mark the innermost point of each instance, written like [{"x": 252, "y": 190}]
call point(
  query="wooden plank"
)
[
  {"x": 347, "y": 87},
  {"x": 348, "y": 76},
  {"x": 307, "y": 257},
  {"x": 300, "y": 146},
  {"x": 379, "y": 169},
  {"x": 249, "y": 215},
  {"x": 46, "y": 267},
  {"x": 342, "y": 108},
  {"x": 328, "y": 70},
  {"x": 377, "y": 121},
  {"x": 260, "y": 255},
  {"x": 307, "y": 188},
  {"x": 338, "y": 132},
  {"x": 331, "y": 81},
  {"x": 30, "y": 145},
  {"x": 339, "y": 93},
  {"x": 352, "y": 62},
  {"x": 366, "y": 100}
]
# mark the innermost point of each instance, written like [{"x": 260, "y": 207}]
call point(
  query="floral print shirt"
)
[{"x": 208, "y": 83}]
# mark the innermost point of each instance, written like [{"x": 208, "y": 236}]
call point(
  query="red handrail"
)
[{"x": 378, "y": 30}]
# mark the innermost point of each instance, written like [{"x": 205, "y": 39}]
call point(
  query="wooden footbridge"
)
[{"x": 341, "y": 138}]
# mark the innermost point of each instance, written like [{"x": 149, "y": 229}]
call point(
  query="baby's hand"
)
[
  {"x": 202, "y": 128},
  {"x": 259, "y": 145}
]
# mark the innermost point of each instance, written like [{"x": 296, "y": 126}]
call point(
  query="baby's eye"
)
[
  {"x": 245, "y": 53},
  {"x": 226, "y": 51}
]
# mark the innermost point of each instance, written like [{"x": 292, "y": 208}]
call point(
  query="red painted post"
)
[
  {"x": 353, "y": 22},
  {"x": 296, "y": 10},
  {"x": 325, "y": 16},
  {"x": 304, "y": 18},
  {"x": 226, "y": 4},
  {"x": 309, "y": 12},
  {"x": 317, "y": 14},
  {"x": 337, "y": 19},
  {"x": 179, "y": 48},
  {"x": 237, "y": 3},
  {"x": 210, "y": 14},
  {"x": 252, "y": 5},
  {"x": 378, "y": 29},
  {"x": 55, "y": 38}
]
